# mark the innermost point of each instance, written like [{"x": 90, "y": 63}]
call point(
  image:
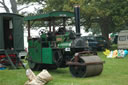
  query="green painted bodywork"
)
[
  {"x": 43, "y": 36},
  {"x": 60, "y": 38},
  {"x": 39, "y": 54},
  {"x": 42, "y": 51},
  {"x": 55, "y": 14},
  {"x": 65, "y": 44},
  {"x": 47, "y": 55},
  {"x": 35, "y": 51}
]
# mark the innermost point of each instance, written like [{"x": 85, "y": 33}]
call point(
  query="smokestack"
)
[{"x": 77, "y": 19}]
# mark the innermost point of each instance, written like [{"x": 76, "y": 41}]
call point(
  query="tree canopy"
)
[{"x": 106, "y": 15}]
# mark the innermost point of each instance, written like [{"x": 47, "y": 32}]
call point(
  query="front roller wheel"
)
[
  {"x": 76, "y": 70},
  {"x": 86, "y": 66}
]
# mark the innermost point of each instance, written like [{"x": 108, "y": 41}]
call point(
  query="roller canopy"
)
[{"x": 50, "y": 15}]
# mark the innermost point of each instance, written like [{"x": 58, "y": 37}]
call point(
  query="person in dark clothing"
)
[{"x": 61, "y": 30}]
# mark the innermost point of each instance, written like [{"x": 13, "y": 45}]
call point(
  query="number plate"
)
[{"x": 67, "y": 49}]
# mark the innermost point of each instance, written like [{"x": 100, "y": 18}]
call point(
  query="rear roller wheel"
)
[
  {"x": 58, "y": 58},
  {"x": 77, "y": 71}
]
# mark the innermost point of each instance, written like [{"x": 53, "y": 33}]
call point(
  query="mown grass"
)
[{"x": 115, "y": 72}]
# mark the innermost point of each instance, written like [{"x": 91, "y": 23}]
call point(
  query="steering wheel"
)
[{"x": 42, "y": 31}]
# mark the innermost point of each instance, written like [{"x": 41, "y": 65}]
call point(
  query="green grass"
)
[
  {"x": 113, "y": 47},
  {"x": 115, "y": 72}
]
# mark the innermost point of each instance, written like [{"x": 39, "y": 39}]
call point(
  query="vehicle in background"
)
[
  {"x": 115, "y": 41},
  {"x": 11, "y": 40},
  {"x": 90, "y": 42},
  {"x": 102, "y": 44},
  {"x": 123, "y": 39}
]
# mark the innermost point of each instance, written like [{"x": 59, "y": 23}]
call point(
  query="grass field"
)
[{"x": 115, "y": 72}]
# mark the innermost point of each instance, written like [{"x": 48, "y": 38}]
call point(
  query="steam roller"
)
[
  {"x": 62, "y": 48},
  {"x": 85, "y": 65}
]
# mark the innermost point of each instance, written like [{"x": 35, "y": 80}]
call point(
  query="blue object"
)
[
  {"x": 2, "y": 68},
  {"x": 125, "y": 53}
]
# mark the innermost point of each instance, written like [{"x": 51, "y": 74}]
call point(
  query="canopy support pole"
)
[{"x": 29, "y": 30}]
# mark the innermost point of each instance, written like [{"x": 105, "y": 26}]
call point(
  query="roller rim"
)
[{"x": 78, "y": 71}]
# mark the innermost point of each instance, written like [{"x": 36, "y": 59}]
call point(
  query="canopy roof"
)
[
  {"x": 49, "y": 16},
  {"x": 10, "y": 14}
]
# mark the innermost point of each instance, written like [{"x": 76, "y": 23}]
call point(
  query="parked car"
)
[
  {"x": 90, "y": 42},
  {"x": 102, "y": 44}
]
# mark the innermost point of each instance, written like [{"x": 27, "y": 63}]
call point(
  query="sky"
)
[
  {"x": 6, "y": 2},
  {"x": 30, "y": 9}
]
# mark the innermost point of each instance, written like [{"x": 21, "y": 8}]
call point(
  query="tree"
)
[
  {"x": 15, "y": 3},
  {"x": 108, "y": 15},
  {"x": 3, "y": 5},
  {"x": 111, "y": 15}
]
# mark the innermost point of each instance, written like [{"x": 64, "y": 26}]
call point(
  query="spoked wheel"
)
[
  {"x": 57, "y": 57},
  {"x": 76, "y": 70},
  {"x": 43, "y": 31}
]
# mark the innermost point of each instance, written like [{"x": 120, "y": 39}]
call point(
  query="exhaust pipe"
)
[{"x": 77, "y": 19}]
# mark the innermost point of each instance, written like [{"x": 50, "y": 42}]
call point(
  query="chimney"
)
[{"x": 77, "y": 19}]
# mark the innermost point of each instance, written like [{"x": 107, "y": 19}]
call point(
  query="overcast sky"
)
[
  {"x": 6, "y": 2},
  {"x": 30, "y": 9}
]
